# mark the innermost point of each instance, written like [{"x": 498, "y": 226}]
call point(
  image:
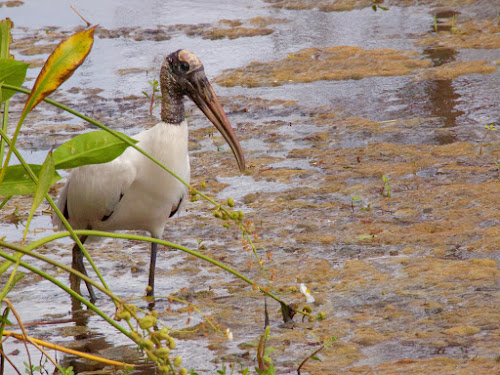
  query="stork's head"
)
[{"x": 182, "y": 74}]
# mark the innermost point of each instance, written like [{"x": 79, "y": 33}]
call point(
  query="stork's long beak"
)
[{"x": 204, "y": 96}]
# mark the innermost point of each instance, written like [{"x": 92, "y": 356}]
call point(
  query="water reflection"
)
[
  {"x": 440, "y": 55},
  {"x": 436, "y": 98}
]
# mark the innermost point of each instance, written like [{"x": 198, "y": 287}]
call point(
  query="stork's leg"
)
[
  {"x": 78, "y": 265},
  {"x": 152, "y": 266}
]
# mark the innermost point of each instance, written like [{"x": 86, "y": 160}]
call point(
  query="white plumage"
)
[{"x": 132, "y": 190}]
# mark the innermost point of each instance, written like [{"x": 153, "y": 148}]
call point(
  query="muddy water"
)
[{"x": 325, "y": 103}]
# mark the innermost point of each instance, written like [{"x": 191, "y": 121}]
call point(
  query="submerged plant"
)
[
  {"x": 385, "y": 191},
  {"x": 376, "y": 5},
  {"x": 489, "y": 129},
  {"x": 153, "y": 98}
]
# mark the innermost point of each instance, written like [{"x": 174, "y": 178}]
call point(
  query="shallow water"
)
[{"x": 409, "y": 283}]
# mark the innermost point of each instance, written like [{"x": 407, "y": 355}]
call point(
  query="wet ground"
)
[{"x": 326, "y": 98}]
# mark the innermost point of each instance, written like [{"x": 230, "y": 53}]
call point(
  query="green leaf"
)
[
  {"x": 44, "y": 184},
  {"x": 90, "y": 148},
  {"x": 4, "y": 202},
  {"x": 5, "y": 38},
  {"x": 18, "y": 182},
  {"x": 363, "y": 237},
  {"x": 12, "y": 72}
]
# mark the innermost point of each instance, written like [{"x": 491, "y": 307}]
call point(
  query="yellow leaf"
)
[{"x": 60, "y": 65}]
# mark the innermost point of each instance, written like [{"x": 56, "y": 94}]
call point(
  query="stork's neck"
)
[{"x": 172, "y": 106}]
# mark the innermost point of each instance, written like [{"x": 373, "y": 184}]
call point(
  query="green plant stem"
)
[
  {"x": 54, "y": 206},
  {"x": 4, "y": 320},
  {"x": 29, "y": 251},
  {"x": 4, "y": 128},
  {"x": 66, "y": 289},
  {"x": 254, "y": 250},
  {"x": 9, "y": 282},
  {"x": 309, "y": 357},
  {"x": 58, "y": 235},
  {"x": 12, "y": 144}
]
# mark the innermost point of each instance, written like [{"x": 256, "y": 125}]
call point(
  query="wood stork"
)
[{"x": 133, "y": 193}]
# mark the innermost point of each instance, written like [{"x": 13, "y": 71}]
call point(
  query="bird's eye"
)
[{"x": 184, "y": 66}]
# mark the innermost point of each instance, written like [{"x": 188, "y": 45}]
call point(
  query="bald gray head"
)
[{"x": 179, "y": 74}]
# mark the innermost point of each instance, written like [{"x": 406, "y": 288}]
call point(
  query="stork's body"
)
[{"x": 132, "y": 192}]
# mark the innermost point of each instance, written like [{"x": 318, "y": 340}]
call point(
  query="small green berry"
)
[
  {"x": 164, "y": 369},
  {"x": 147, "y": 344},
  {"x": 183, "y": 371},
  {"x": 171, "y": 343},
  {"x": 163, "y": 333},
  {"x": 241, "y": 215},
  {"x": 307, "y": 309},
  {"x": 177, "y": 361},
  {"x": 163, "y": 352},
  {"x": 230, "y": 202},
  {"x": 147, "y": 322},
  {"x": 321, "y": 315},
  {"x": 131, "y": 308},
  {"x": 136, "y": 336},
  {"x": 203, "y": 185},
  {"x": 217, "y": 214},
  {"x": 226, "y": 225},
  {"x": 194, "y": 198},
  {"x": 155, "y": 339},
  {"x": 123, "y": 315},
  {"x": 235, "y": 215}
]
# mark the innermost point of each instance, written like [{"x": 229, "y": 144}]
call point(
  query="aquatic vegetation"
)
[
  {"x": 153, "y": 97},
  {"x": 385, "y": 191},
  {"x": 331, "y": 63}
]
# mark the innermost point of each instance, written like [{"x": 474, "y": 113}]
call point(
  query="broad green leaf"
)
[
  {"x": 12, "y": 72},
  {"x": 60, "y": 65},
  {"x": 44, "y": 183},
  {"x": 18, "y": 182},
  {"x": 90, "y": 148},
  {"x": 5, "y": 38}
]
